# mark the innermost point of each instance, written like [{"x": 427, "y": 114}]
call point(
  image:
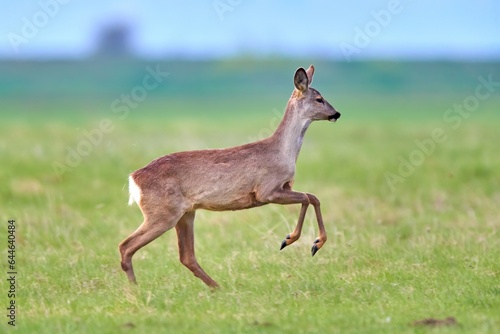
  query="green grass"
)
[{"x": 429, "y": 248}]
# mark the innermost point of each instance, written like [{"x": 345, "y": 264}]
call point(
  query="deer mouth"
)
[{"x": 334, "y": 117}]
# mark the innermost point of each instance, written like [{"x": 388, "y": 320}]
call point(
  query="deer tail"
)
[{"x": 134, "y": 191}]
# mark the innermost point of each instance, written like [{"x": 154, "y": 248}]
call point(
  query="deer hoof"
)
[
  {"x": 283, "y": 243},
  {"x": 314, "y": 248}
]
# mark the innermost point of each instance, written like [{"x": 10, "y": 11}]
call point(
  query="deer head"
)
[{"x": 309, "y": 102}]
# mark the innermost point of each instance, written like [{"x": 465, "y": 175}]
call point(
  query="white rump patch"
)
[{"x": 134, "y": 190}]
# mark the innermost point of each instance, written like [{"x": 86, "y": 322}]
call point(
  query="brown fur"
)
[{"x": 174, "y": 186}]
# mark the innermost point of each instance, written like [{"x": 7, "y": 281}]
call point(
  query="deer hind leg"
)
[
  {"x": 185, "y": 236},
  {"x": 155, "y": 224}
]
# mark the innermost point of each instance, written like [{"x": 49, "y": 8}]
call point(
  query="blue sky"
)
[{"x": 359, "y": 29}]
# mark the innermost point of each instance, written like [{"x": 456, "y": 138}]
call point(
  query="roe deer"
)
[{"x": 171, "y": 188}]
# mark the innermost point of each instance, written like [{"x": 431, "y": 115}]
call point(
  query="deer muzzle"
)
[{"x": 334, "y": 117}]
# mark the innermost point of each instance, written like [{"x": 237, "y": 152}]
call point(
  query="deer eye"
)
[{"x": 319, "y": 99}]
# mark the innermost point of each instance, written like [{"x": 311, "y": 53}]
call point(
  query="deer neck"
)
[{"x": 290, "y": 133}]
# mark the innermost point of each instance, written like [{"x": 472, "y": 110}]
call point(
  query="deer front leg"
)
[
  {"x": 288, "y": 196},
  {"x": 295, "y": 235},
  {"x": 320, "y": 241}
]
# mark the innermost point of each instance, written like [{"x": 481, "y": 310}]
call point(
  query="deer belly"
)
[{"x": 218, "y": 203}]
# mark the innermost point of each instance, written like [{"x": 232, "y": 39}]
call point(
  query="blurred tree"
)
[{"x": 114, "y": 40}]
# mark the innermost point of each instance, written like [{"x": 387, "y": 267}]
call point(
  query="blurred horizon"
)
[
  {"x": 59, "y": 55},
  {"x": 221, "y": 29}
]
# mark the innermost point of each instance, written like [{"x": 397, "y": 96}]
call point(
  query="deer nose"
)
[{"x": 334, "y": 117}]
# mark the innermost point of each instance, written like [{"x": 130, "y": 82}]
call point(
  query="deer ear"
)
[
  {"x": 310, "y": 73},
  {"x": 300, "y": 80}
]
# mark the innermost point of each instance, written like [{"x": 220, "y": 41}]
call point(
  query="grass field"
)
[{"x": 423, "y": 245}]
